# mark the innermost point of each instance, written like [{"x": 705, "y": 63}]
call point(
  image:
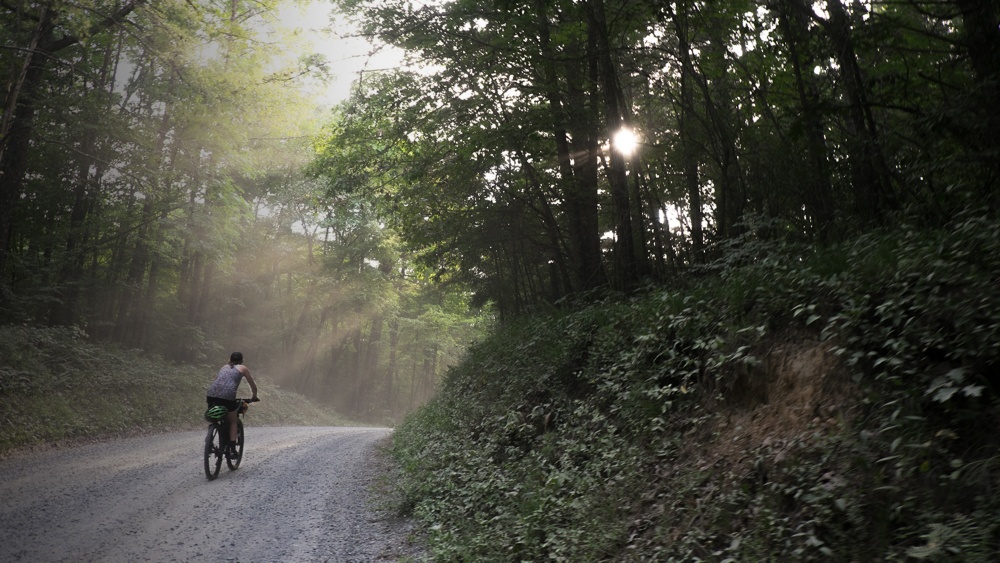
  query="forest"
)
[
  {"x": 743, "y": 256},
  {"x": 546, "y": 149},
  {"x": 156, "y": 192},
  {"x": 169, "y": 184},
  {"x": 590, "y": 237}
]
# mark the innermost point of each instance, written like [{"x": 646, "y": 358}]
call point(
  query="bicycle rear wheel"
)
[
  {"x": 213, "y": 452},
  {"x": 232, "y": 462}
]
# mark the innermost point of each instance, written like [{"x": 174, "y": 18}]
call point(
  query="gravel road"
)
[{"x": 301, "y": 494}]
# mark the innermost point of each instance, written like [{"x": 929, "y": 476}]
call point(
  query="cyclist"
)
[{"x": 222, "y": 392}]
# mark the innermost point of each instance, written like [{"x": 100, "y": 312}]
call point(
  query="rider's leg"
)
[{"x": 233, "y": 434}]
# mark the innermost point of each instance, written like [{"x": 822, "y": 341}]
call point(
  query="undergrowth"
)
[
  {"x": 56, "y": 387},
  {"x": 786, "y": 403}
]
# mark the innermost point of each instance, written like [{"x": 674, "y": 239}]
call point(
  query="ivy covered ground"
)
[{"x": 786, "y": 403}]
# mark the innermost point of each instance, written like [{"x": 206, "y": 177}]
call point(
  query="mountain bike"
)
[{"x": 217, "y": 439}]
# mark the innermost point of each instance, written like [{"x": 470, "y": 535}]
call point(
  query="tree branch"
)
[{"x": 108, "y": 22}]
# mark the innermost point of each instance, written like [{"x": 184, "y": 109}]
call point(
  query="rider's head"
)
[{"x": 236, "y": 358}]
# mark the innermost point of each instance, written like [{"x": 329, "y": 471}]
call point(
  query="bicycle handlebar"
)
[{"x": 244, "y": 404}]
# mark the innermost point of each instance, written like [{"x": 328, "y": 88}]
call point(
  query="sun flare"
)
[{"x": 625, "y": 141}]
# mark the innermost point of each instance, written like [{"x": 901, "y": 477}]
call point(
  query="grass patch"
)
[{"x": 55, "y": 386}]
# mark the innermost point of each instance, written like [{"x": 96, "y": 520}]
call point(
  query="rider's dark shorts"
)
[{"x": 230, "y": 405}]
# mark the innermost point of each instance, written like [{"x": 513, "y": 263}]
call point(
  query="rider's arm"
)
[{"x": 249, "y": 378}]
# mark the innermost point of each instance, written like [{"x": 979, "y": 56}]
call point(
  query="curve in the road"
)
[{"x": 301, "y": 494}]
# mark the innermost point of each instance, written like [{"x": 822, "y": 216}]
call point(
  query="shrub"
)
[{"x": 604, "y": 432}]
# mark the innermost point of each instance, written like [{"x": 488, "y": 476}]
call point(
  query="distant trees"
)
[
  {"x": 810, "y": 121},
  {"x": 152, "y": 190}
]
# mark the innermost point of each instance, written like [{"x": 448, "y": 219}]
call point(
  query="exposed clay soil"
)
[{"x": 798, "y": 387}]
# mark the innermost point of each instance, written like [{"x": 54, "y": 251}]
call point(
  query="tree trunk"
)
[
  {"x": 578, "y": 176},
  {"x": 356, "y": 376},
  {"x": 292, "y": 340},
  {"x": 201, "y": 305},
  {"x": 562, "y": 283},
  {"x": 64, "y": 310},
  {"x": 194, "y": 287},
  {"x": 817, "y": 192},
  {"x": 639, "y": 221},
  {"x": 374, "y": 348},
  {"x": 730, "y": 189},
  {"x": 981, "y": 31},
  {"x": 390, "y": 374},
  {"x": 625, "y": 251},
  {"x": 15, "y": 129},
  {"x": 872, "y": 187},
  {"x": 686, "y": 120},
  {"x": 127, "y": 312}
]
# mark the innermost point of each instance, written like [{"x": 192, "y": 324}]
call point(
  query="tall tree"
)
[{"x": 54, "y": 32}]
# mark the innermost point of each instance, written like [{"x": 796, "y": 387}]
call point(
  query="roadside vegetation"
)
[
  {"x": 737, "y": 305},
  {"x": 57, "y": 388},
  {"x": 789, "y": 404}
]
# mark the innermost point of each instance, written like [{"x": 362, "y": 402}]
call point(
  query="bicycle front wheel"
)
[
  {"x": 234, "y": 462},
  {"x": 213, "y": 452}
]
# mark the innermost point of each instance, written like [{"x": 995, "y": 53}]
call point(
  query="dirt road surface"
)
[{"x": 301, "y": 494}]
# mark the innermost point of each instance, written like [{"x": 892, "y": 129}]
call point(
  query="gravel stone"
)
[{"x": 300, "y": 494}]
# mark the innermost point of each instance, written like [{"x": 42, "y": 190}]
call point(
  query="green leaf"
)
[
  {"x": 945, "y": 393},
  {"x": 973, "y": 390}
]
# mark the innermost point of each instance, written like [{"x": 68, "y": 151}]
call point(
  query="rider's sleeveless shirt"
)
[{"x": 225, "y": 384}]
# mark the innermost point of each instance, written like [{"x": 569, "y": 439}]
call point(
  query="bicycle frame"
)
[{"x": 217, "y": 442}]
